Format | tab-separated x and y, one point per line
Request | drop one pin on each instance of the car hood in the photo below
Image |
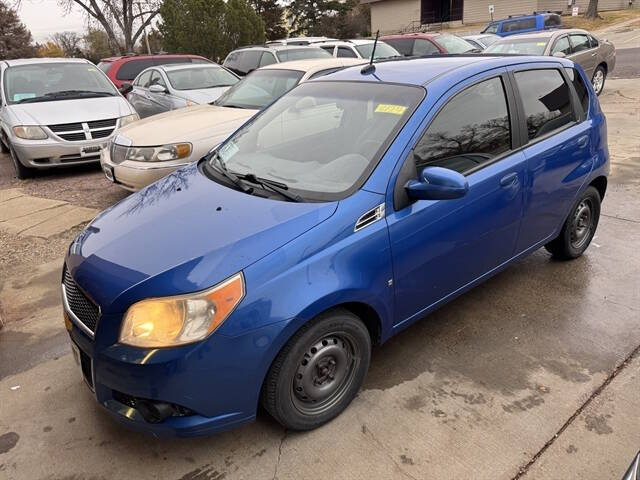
71	111
188	124
181	234
204	95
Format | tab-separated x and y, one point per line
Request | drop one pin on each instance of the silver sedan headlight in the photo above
164	153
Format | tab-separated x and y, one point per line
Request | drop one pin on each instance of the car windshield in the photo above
383	50
323	138
260	88
196	78
489	39
453	44
523	46
44	82
305	53
493	28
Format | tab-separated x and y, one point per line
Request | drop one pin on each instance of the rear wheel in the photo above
579	228
598	79
22	172
318	372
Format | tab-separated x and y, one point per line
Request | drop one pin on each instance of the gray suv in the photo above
56	112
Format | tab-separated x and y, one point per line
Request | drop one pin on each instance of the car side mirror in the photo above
125	88
437	183
157	89
559	54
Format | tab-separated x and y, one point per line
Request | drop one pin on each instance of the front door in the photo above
440	246
558	158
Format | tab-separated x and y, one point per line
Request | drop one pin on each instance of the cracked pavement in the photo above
535	374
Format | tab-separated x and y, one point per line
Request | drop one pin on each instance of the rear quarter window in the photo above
130	69
551	21
580	87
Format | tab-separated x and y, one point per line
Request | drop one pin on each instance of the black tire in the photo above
3	147
22	172
579	227
318	372
598	79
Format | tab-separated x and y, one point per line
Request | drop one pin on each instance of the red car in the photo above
419	44
124	69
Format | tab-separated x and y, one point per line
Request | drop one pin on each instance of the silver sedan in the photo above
168	87
597	57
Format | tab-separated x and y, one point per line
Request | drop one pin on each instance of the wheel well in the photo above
604	66
369	317
600	184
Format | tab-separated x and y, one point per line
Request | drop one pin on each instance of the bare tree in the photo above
119	18
69	42
592	10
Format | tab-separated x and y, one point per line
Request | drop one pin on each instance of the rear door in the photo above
582	52
557	149
441	246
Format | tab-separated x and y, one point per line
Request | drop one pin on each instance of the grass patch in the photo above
608	18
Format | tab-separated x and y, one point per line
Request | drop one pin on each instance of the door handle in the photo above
509	179
582	141
594	54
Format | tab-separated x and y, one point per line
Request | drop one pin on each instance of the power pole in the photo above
146	38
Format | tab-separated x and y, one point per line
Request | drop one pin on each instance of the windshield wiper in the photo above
221	168
280	188
70	93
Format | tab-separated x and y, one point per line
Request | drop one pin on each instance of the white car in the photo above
360	48
56	112
483	40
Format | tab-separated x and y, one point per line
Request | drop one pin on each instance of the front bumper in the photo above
134	176
216	381
56	153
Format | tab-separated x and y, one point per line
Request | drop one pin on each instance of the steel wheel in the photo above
582	224
325	372
598	80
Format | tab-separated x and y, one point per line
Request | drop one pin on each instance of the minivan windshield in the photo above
522	46
195	78
383	50
45	82
322	139
260	88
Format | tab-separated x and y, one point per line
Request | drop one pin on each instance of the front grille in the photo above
83	308
78	132
118	153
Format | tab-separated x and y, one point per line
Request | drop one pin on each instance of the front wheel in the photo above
22	172
318	372
598	79
579	228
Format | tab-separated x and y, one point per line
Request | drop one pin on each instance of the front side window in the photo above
267	59
469	131
144	79
198	78
156	79
562	45
580	43
522	46
260	88
453	44
44	82
580	87
546	101
322	139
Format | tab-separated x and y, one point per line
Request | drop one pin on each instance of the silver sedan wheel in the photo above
598	81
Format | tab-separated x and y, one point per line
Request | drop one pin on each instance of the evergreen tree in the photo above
15	39
272	15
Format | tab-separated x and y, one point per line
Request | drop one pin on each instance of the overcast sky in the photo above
44	17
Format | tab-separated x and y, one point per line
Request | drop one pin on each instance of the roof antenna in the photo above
370	67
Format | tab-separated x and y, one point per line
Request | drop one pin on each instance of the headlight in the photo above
172	321
126	120
29	132
164	153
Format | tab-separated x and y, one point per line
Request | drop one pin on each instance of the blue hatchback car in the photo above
349	209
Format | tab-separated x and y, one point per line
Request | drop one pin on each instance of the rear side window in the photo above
328	48
345	52
592	41
424	47
403	45
130	70
517	25
580	87
546	101
580	43
469	131
562	45
552	21
267	59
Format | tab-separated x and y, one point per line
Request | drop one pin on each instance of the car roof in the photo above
355	41
277	48
145	55
35	61
180	66
413	35
544	34
481	35
421	71
314	65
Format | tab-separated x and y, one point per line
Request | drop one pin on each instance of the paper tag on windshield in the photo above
228	151
393	109
21	96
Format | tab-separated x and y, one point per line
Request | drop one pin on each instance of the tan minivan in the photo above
150	149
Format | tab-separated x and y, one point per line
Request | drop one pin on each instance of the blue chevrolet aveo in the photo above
350	208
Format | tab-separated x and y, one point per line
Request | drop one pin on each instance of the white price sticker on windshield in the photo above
228	151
